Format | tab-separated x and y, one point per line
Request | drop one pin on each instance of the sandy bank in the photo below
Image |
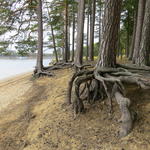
14	78
11	89
36	118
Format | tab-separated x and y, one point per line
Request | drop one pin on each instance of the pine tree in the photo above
144	54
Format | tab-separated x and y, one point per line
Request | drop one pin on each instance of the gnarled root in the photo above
74	77
46	71
59	65
38	74
91	85
126	119
79	104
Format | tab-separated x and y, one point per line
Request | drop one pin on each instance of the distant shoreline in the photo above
23	57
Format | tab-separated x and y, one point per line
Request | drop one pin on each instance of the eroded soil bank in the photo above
36	118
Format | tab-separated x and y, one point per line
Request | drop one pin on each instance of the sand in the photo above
34	117
11	89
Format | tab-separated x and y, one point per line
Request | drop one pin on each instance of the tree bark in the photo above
54	44
53	36
80	34
88	21
109	42
133	36
140	18
100	22
92	24
73	32
143	57
118	52
128	35
66	32
69	24
39	64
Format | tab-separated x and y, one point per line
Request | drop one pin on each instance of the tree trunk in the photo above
133	36
39	64
73	32
92	24
100	18
128	35
105	81
69	24
63	53
143	58
88	21
80	34
109	42
54	44
66	32
53	36
118	45
140	18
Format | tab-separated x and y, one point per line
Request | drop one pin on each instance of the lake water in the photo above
10	67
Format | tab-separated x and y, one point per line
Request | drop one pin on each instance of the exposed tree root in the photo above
101	83
38	74
134	67
127	117
46	71
85	66
75	76
59	65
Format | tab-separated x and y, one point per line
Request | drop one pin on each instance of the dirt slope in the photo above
38	119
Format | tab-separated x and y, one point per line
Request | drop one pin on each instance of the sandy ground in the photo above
11	89
34	117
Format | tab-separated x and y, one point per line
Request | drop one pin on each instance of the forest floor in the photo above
33	116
